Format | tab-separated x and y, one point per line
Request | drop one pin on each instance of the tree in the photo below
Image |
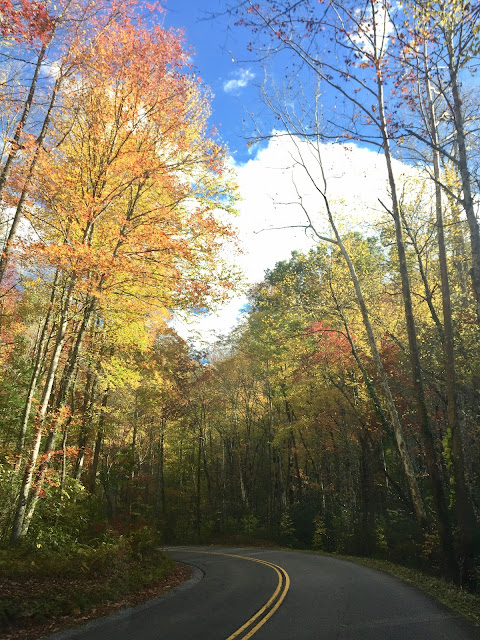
428	97
57	40
131	200
362	37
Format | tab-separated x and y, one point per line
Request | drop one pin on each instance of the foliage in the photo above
107	571
287	529
319	534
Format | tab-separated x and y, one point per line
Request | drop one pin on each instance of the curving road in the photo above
237	594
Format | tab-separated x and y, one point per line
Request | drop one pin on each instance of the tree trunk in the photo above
366	534
372	341
88	401
98	442
439	499
64	461
467	201
64	387
72	359
161	468
40	353
47	452
17	528
198	496
14	145
7	250
293	446
465	513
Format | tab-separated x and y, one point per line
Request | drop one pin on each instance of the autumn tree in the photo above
55	41
356	65
128	209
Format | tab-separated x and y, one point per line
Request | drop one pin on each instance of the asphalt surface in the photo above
280	595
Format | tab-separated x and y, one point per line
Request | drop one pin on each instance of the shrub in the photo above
319	533
143	540
287	529
249	524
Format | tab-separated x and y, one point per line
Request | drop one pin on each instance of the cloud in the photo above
271	222
374	29
275	189
240	81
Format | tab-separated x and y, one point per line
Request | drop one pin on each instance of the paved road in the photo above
281	595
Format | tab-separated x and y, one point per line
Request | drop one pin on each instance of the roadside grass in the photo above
458	600
37	585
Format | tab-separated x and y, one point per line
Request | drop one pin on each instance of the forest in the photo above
342	413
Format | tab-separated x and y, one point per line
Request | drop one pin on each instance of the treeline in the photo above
284	433
289	433
399	78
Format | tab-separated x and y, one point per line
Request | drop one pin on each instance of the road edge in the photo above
196	577
468	623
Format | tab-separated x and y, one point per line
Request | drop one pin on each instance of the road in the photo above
237	594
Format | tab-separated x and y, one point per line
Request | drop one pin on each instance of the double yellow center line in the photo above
253	624
270	606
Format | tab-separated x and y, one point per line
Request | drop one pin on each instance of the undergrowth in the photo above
37	584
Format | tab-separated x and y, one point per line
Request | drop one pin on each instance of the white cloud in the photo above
272	222
270	219
53	69
206	329
374	29
240	81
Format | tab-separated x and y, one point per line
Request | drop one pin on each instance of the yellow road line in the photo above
269	607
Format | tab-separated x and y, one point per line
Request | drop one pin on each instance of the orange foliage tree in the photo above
127	207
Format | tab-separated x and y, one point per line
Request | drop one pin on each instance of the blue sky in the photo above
270	223
221	53
225	65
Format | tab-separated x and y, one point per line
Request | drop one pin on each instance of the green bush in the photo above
62	517
319	534
287	529
9	488
249	524
143	540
